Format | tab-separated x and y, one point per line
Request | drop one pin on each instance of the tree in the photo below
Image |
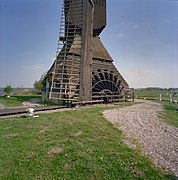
38	85
7	89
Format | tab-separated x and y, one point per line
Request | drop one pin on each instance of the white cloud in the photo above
119	35
131	25
166	21
148	75
135	26
29	52
53	58
35	67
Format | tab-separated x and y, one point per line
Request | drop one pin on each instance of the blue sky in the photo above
141	36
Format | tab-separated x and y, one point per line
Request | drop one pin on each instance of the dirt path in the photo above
2	106
32	103
158	140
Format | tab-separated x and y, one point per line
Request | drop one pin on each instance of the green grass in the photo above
155	94
26	97
147	94
170	115
90	148
47	102
10	102
15	101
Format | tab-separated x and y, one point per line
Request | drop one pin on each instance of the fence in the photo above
157	95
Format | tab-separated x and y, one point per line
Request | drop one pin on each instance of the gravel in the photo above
157	139
32	103
2	106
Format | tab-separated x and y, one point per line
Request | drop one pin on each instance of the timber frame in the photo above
83	70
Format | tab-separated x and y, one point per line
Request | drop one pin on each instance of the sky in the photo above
141	37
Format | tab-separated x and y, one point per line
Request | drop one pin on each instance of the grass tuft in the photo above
170	115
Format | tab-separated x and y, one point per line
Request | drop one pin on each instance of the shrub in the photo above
7	89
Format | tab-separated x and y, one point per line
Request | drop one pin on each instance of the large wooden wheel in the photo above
105	83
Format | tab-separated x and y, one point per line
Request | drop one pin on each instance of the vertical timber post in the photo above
86	52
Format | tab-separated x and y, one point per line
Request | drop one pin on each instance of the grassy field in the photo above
14	101
155	94
77	144
170	115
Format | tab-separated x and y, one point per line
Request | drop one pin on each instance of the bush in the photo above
38	85
7	89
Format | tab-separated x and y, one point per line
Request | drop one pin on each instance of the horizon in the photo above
129	87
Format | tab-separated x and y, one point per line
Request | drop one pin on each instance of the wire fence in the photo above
160	96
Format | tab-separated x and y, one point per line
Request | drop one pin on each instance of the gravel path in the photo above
158	140
2	106
32	103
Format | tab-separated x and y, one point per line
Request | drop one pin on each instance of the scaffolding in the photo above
65	77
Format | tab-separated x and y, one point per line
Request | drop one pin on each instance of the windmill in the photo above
83	70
